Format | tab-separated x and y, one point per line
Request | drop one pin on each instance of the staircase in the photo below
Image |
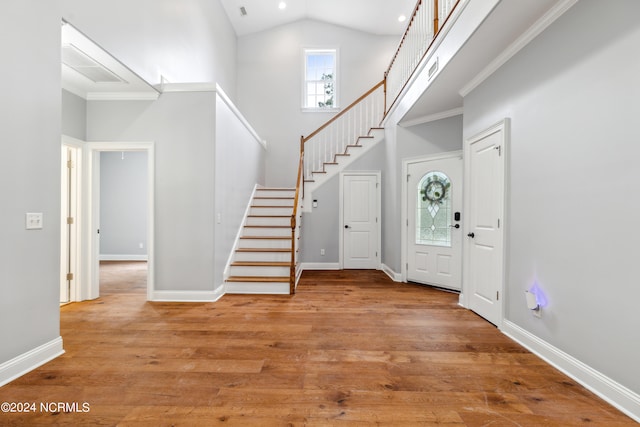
316	178
262	261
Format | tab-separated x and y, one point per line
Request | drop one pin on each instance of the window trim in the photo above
336	80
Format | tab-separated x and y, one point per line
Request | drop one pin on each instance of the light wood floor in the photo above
350	348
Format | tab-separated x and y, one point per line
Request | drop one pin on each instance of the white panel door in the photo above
485	206
434	232
360	213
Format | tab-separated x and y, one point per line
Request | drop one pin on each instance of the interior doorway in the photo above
98	207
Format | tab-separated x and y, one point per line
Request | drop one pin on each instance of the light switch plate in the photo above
33	221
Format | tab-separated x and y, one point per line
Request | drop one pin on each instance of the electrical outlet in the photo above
34	221
321	252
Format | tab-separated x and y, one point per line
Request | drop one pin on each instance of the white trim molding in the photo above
614	393
32	359
319	266
188	296
396	277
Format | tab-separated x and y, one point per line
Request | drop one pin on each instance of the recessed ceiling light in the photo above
282	5
402	18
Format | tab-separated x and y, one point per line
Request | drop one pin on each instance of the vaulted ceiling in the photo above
372	16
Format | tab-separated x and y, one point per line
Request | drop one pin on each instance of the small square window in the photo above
320	88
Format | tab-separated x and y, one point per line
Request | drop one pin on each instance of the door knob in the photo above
455	226
346	226
472	235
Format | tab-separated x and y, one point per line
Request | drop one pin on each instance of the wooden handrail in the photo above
341	113
404	36
296	202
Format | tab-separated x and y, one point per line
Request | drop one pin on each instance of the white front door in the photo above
484	204
434	232
360	220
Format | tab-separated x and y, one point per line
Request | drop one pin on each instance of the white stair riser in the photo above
271	232
278	288
258	271
272	202
263	256
275	193
265	220
270	211
265	243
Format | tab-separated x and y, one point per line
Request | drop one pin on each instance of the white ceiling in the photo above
372	16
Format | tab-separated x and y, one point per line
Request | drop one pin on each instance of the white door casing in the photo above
91	231
438	263
360	222
70	262
485	165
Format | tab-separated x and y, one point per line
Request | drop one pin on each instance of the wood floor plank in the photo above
350	348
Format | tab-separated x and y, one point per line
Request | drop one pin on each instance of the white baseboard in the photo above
119	257
188	296
616	394
319	266
26	362
396	277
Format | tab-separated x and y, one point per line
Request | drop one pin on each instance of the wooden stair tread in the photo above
268	216
273	198
267	226
272	279
261	264
271	207
276	189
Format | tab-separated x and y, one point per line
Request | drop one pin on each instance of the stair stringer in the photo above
363	145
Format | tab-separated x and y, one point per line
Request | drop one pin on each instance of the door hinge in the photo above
69	220
498	222
408	177
406	266
376	254
376	220
407	222
497	295
376	185
69	276
69	164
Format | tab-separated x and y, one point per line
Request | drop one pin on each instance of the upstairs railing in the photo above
428	18
343	129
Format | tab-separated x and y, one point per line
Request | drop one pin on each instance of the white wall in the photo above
572	96
239	166
185	40
123	205
29	176
207	164
183	129
74	116
270	71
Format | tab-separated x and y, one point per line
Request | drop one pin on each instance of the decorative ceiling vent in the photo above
87	66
